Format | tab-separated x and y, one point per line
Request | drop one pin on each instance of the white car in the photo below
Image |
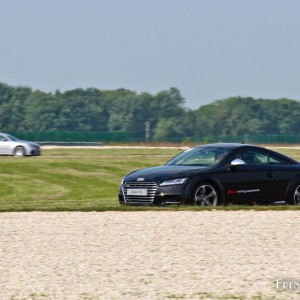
10	145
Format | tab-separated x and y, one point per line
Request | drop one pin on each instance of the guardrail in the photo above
69	144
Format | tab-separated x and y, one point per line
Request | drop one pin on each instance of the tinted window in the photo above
254	157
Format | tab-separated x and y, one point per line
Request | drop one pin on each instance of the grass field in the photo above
79	179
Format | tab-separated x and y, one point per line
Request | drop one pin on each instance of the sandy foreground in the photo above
149	255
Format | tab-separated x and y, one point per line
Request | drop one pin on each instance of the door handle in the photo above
271	175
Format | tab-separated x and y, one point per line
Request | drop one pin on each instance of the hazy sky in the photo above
209	49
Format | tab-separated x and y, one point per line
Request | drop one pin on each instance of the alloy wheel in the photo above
19	151
297	196
206	195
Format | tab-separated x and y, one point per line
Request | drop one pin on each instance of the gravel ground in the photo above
149	255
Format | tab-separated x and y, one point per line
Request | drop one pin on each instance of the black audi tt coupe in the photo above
216	174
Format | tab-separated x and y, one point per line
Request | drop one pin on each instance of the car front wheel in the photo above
206	195
297	195
19	151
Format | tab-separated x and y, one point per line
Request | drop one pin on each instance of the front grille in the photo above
151	188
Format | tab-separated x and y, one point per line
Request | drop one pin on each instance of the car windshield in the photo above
11	137
200	156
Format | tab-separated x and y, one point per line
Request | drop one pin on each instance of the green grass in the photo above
71	179
81	179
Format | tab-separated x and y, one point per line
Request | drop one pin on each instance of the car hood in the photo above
162	173
30	143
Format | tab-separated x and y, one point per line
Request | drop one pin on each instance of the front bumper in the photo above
156	195
35	151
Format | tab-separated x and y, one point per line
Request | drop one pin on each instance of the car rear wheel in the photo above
206	195
297	195
19	151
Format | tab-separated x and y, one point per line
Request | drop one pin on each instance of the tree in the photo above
92	110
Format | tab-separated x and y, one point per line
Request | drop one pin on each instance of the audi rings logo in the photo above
140	179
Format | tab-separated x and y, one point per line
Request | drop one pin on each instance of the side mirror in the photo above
237	162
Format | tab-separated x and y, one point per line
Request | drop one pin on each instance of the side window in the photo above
250	158
253	157
262	157
266	158
275	160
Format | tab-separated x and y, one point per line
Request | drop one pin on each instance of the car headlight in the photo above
174	181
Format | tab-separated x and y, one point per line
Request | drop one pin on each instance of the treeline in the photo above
92	110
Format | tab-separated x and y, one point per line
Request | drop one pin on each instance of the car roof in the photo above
224	145
240	145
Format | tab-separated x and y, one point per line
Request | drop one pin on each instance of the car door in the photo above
262	179
246	184
5	145
279	174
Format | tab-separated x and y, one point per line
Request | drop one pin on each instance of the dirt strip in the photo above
149	255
